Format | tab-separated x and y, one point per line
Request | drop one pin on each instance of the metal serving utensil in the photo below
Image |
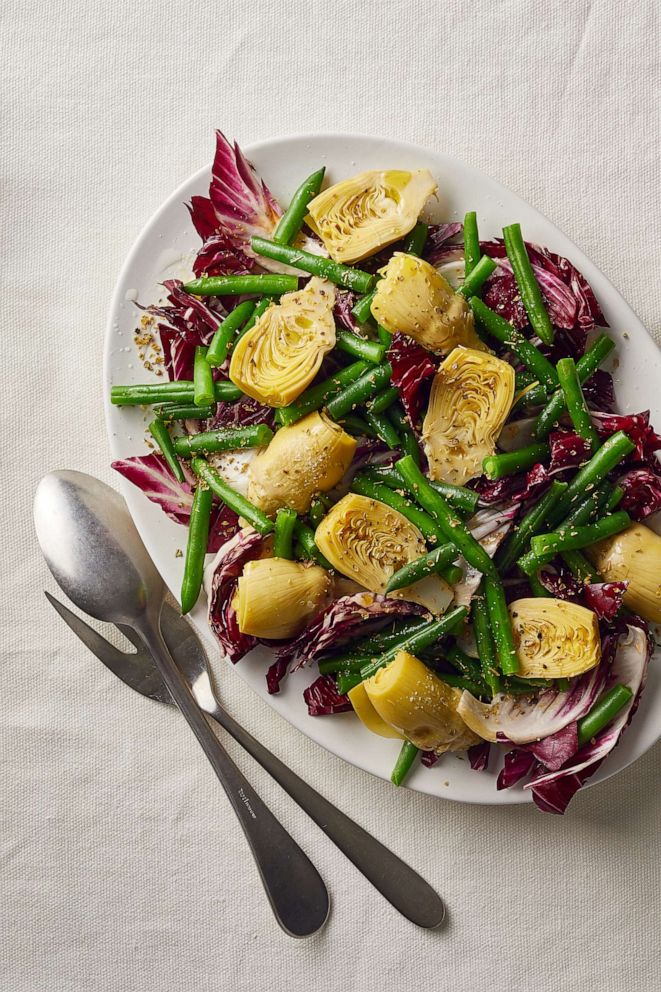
394	879
97	557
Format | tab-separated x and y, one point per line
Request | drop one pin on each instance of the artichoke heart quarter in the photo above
358	216
412	297
368	541
470	400
413	700
276	597
305	458
280	356
554	638
633	556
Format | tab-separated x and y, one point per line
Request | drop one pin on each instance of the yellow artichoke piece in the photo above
410	698
305	458
368	541
367	714
634	555
412	297
470	400
280	356
275	597
554	639
358	216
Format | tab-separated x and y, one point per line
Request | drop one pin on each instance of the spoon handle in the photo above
295	889
403	887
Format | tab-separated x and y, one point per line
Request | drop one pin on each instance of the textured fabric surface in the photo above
122	868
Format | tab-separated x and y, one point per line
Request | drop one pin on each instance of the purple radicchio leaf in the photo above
636	425
552	791
221	578
345	300
243	412
429	758
605	598
642	492
478	756
517	764
323	699
437	239
599	391
558	748
412	366
341	621
560	581
189	322
153	476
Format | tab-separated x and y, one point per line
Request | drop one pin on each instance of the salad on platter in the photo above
395	447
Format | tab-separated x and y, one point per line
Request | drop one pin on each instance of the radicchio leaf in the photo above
189	322
339	622
599	391
241	413
605	598
220	580
635	425
345	299
412	365
429	758
560	582
642	492
323	699
478	756
517	764
437	238
552	791
558	748
568	450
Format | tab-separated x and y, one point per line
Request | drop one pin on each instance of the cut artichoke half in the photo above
280	356
412	297
275	597
633	556
368	541
554	638
470	400
367	714
422	708
308	457
358	216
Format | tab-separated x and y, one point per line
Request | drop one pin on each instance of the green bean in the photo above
603	712
203	391
404	762
241	506
471	242
465	665
283	536
315	397
305	537
427	564
613	499
383	400
292	220
501	625
346	681
378	643
452	574
575	538
223	439
254	285
196	548
531	394
359	347
147	394
174	411
514	341
586	366
408	440
427	526
416	240
575	402
473	283
222	339
483	638
580	567
325	268
528	526
259	311
529	288
342	663
460	497
478	689
612	451
317	512
422	638
362	310
453	528
585	510
384	336
511	462
383	428
357	426
161	435
359	391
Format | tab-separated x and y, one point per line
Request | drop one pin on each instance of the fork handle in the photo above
403	887
295	889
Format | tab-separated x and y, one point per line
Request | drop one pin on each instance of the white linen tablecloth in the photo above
122	868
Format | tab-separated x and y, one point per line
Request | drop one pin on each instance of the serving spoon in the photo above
97	557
